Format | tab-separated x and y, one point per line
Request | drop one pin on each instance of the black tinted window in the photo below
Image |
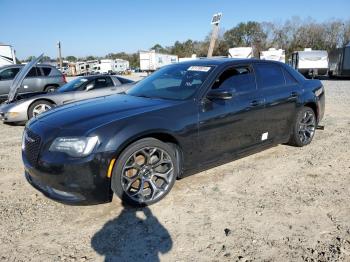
46	70
103	82
269	75
9	74
236	79
34	72
290	80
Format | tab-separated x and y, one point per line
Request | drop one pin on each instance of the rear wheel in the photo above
49	89
303	128
145	172
38	108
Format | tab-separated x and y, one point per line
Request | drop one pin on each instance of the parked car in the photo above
42	78
22	108
183	118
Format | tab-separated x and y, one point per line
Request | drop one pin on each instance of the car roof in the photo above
21	65
220	61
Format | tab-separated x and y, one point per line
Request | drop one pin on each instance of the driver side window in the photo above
236	79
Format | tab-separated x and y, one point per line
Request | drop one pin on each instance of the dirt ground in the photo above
283	204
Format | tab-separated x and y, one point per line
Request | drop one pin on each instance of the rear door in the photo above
281	92
33	82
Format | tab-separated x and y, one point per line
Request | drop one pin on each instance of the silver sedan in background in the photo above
27	106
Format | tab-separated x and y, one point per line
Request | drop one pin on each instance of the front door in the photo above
228	126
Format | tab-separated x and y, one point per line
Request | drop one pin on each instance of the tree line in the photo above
290	35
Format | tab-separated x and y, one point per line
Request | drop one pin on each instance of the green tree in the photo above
71	58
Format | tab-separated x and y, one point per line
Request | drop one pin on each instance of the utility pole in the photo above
214	35
59	54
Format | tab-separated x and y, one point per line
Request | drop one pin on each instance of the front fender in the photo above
135	129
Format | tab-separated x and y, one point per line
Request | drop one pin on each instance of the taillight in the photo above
64	78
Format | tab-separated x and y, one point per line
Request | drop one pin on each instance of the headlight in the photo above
74	146
319	91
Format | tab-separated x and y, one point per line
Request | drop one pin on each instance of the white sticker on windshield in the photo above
199	68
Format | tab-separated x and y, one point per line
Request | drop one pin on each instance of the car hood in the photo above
18	80
90	114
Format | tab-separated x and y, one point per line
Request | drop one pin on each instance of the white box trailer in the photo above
273	54
7	55
310	62
241	52
151	61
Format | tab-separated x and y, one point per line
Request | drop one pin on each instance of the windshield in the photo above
73	85
177	82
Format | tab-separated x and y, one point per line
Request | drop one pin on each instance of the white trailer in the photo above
310	62
81	68
121	65
7	55
273	55
184	59
241	52
105	66
151	61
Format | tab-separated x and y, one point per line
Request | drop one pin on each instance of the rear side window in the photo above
46	70
237	79
103	82
9	74
123	80
269	75
34	72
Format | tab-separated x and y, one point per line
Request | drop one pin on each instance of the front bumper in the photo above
83	182
8	115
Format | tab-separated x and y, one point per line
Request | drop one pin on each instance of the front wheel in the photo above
38	108
145	172
304	127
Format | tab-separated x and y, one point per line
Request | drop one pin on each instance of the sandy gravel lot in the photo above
283	204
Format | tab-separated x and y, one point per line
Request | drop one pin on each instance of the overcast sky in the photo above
87	27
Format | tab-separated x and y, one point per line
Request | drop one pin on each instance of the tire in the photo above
145	172
304	126
39	107
49	89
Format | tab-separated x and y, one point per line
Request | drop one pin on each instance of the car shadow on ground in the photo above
135	235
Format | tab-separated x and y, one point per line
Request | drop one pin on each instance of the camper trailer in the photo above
105	66
7	55
121	65
241	52
81	68
151	61
310	62
339	62
185	59
273	55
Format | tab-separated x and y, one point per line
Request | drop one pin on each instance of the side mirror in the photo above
217	94
89	87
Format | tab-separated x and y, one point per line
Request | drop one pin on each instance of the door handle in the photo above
293	95
255	102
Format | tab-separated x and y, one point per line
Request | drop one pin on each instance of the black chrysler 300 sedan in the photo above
181	119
